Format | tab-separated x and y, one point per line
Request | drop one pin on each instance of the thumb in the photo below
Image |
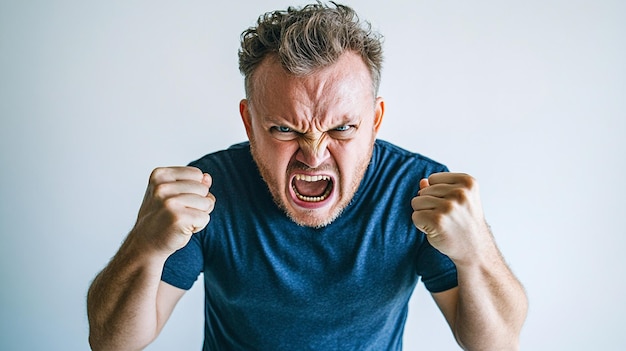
424	183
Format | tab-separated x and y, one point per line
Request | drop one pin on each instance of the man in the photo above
318	231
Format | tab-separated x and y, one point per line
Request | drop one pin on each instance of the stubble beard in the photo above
306	217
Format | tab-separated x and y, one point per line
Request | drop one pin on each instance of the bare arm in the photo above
127	303
488	308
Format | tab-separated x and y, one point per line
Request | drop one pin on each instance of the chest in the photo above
251	263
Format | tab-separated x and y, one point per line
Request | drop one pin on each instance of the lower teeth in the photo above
311	198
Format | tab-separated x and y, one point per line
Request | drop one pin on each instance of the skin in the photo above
323	124
127	303
487	309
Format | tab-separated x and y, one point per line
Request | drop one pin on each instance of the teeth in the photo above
315	178
311	198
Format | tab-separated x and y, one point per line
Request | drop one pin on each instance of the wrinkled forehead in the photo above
349	67
347	80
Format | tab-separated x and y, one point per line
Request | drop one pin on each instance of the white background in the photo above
529	97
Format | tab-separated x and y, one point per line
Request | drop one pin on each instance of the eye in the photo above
343	132
283	133
283	129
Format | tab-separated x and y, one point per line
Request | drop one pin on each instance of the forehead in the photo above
344	87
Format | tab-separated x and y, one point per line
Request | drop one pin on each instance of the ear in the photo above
244	111
379	112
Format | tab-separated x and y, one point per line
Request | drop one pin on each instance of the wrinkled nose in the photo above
313	151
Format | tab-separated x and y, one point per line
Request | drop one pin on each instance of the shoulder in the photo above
237	156
232	169
393	175
390	156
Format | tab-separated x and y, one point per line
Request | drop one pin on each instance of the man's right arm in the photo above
127	303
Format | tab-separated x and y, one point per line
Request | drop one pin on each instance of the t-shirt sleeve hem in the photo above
173	279
442	283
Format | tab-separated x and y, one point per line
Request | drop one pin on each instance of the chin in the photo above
315	210
312	218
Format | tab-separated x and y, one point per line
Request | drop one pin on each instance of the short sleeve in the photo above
184	266
437	271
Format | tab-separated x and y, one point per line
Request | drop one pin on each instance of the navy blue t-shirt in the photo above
271	284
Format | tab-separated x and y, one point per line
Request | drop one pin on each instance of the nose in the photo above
313	150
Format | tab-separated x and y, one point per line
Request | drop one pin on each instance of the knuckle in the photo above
171	204
205	190
211	197
414	202
161	190
209	180
458	194
182	224
157	175
415	216
211	205
195	170
436	217
446	207
468	181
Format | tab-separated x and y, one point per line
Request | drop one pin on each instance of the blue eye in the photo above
344	132
283	129
283	133
342	128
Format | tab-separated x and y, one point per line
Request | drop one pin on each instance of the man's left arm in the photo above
488	308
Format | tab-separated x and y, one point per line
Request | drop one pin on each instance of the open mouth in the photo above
312	188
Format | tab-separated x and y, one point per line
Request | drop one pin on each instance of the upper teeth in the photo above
308	178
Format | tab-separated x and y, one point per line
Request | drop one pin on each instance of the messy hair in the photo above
310	38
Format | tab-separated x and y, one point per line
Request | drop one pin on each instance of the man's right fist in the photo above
177	204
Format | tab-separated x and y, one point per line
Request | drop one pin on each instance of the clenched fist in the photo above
177	204
448	210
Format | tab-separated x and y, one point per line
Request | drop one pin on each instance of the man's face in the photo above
312	136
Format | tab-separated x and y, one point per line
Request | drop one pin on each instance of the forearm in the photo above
492	305
122	300
127	304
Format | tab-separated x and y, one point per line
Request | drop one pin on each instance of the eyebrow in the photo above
277	121
344	121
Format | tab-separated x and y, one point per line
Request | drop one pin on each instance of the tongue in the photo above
311	189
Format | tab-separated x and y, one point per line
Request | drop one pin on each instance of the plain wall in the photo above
529	97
